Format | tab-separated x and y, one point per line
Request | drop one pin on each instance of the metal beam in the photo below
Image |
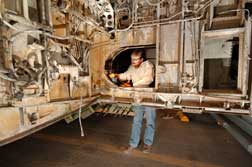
223	33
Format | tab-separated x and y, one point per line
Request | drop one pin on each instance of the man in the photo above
141	73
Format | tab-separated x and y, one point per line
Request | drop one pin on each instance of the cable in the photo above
236	10
207	5
40	32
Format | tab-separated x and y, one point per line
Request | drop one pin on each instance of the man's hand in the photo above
126	84
113	75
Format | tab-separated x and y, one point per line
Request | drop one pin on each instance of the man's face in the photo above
136	60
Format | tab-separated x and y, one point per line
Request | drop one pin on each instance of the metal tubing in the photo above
21	115
158	36
26	9
235	133
241	123
241	139
42	14
248	119
179	107
182	43
48	13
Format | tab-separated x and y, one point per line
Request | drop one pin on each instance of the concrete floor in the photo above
200	143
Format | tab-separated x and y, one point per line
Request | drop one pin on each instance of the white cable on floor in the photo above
80	122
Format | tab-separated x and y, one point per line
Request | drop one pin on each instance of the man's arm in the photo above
148	76
126	75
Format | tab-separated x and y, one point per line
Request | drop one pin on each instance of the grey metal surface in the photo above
241	123
245	142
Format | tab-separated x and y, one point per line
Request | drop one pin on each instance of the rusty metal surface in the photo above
35	118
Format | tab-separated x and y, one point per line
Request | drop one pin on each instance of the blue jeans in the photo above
150	114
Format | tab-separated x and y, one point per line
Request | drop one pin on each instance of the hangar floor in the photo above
200	143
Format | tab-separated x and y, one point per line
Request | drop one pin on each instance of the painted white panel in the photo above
170	76
217	48
169	42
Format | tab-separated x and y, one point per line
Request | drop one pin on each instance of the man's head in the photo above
137	57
